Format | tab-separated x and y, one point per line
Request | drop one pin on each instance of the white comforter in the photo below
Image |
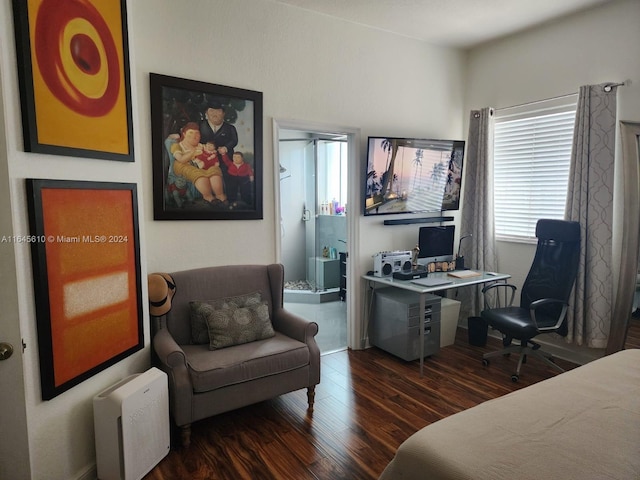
583	424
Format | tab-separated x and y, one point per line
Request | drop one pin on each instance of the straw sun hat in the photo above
161	291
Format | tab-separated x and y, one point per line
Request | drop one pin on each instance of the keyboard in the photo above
431	281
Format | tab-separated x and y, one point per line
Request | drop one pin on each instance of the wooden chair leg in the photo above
311	395
185	435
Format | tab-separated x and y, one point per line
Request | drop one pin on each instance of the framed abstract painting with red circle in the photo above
73	68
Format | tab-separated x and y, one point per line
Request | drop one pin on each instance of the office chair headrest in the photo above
558	230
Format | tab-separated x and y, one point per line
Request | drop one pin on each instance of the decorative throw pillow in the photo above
232	325
199	328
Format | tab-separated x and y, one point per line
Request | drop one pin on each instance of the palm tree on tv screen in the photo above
390	145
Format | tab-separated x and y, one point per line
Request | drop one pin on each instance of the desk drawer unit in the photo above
395	325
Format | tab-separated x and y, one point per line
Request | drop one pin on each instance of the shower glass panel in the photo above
310	205
312	194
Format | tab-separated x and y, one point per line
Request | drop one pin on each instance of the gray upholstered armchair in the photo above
205	382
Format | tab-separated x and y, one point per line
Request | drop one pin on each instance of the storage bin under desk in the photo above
394	324
449	314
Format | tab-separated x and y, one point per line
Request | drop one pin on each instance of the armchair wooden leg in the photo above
185	435
311	395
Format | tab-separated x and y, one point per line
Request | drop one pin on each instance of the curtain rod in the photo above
538	101
607	88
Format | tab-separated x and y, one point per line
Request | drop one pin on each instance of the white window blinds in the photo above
532	150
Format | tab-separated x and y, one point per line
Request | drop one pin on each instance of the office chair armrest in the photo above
545	301
495	285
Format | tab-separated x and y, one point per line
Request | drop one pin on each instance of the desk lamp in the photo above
460	259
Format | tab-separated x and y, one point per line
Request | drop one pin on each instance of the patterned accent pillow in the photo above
232	325
199	328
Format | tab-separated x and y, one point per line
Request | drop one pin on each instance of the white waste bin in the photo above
449	313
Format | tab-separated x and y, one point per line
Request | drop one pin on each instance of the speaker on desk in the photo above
385	264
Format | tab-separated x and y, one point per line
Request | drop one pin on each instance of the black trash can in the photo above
477	331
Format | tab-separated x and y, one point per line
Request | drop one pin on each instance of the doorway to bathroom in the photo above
313	186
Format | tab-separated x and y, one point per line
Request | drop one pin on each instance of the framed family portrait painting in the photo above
207	150
86	274
73	71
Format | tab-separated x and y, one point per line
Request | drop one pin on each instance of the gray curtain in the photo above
590	202
477	208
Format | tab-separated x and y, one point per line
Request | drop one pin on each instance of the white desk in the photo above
381	282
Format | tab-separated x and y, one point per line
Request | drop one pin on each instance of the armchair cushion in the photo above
233	325
199	328
210	370
198	316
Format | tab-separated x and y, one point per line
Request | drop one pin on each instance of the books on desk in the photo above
464	273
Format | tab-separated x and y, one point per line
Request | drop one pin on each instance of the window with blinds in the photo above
532	150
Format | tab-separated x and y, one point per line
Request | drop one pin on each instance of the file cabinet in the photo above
394	325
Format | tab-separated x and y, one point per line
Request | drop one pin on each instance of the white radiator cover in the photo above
131	420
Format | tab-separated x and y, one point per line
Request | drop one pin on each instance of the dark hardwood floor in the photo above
367	403
633	334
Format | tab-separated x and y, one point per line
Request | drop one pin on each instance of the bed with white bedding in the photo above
583	424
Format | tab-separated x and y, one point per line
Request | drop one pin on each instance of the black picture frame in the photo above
178	103
85	251
75	93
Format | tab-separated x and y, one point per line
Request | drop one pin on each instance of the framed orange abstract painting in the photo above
73	69
86	275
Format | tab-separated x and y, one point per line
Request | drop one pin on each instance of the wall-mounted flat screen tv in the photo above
411	175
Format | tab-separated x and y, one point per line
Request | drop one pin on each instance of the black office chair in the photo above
543	298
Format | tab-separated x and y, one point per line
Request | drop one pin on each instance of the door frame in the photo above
353	202
15	460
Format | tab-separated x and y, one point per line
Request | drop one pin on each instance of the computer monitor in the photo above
436	244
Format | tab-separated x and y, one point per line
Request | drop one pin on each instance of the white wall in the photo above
590	48
309	67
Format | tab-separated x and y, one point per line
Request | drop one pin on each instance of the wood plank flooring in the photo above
367	404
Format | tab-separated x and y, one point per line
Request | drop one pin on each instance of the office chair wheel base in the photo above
485	362
515	377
